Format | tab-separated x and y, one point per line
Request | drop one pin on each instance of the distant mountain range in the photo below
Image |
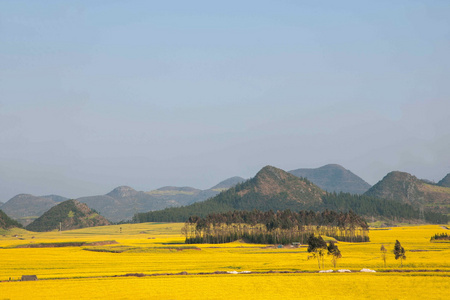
119	204
124	202
334	178
25	207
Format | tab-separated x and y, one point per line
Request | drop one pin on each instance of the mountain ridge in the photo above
123	202
274	189
227	183
270	188
334	178
26	206
445	182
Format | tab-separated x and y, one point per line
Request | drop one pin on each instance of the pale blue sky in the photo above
96	94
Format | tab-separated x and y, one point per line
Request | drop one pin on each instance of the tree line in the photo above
440	236
280	227
370	206
229	201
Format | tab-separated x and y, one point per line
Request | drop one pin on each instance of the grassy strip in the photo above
65	244
121	249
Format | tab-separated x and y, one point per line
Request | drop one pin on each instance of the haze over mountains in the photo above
24	206
119	204
334	178
124	202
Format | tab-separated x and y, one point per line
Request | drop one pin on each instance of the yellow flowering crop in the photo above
150	248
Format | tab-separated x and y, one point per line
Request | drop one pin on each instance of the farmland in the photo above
96	269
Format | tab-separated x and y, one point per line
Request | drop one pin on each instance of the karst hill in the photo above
70	214
406	188
6	222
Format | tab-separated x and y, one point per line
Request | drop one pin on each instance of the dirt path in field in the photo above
239	273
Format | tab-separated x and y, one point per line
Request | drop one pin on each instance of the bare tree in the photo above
383	254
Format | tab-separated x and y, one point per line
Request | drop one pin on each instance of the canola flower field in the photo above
96	270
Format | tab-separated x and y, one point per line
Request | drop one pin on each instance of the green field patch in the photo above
51	245
93	216
65	244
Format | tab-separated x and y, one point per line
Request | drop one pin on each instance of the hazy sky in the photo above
97	94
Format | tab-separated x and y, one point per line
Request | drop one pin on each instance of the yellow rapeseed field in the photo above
151	248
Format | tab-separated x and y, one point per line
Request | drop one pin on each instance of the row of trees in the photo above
281	227
374	207
399	252
318	247
440	236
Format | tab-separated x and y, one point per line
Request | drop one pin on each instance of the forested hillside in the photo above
375	207
67	215
6	222
274	189
406	188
